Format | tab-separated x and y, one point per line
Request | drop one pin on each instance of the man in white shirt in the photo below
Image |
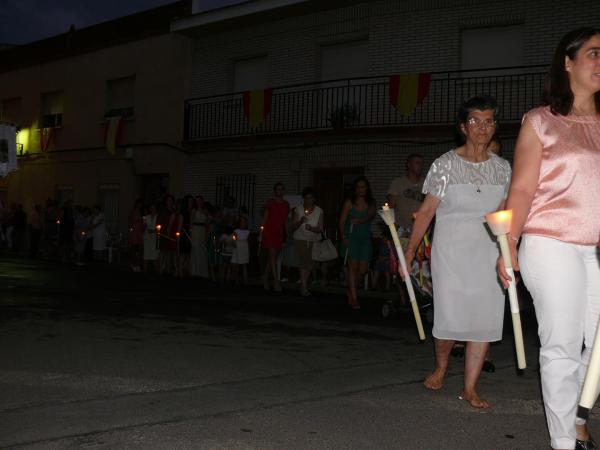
404	194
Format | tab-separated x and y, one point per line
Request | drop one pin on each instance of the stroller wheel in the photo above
387	309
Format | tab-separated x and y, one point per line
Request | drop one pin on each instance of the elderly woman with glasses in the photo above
461	187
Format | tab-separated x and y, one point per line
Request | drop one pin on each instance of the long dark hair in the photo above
557	89
368	195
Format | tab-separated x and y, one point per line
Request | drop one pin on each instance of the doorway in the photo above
333	186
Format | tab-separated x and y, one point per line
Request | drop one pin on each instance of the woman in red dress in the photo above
273	233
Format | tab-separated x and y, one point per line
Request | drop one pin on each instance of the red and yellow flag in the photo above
112	135
257	105
408	90
46	135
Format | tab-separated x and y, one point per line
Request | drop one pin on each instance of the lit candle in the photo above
387	215
307	227
158	227
177	234
499	222
57	228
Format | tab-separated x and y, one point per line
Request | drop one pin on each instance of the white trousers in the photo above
564	281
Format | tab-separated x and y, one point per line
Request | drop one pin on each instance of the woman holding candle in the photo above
461	187
554	197
273	234
307	226
355	231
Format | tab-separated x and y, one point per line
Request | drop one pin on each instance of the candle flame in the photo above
177	234
499	221
58	222
158	227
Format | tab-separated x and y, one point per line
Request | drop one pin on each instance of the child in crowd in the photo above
241	255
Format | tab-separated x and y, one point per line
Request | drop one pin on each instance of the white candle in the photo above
177	234
158	227
500	222
592	378
387	215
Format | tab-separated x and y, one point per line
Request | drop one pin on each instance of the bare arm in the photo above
266	215
343	217
525	179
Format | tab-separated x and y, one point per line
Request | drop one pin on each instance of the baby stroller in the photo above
420	278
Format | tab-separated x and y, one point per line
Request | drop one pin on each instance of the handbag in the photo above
324	250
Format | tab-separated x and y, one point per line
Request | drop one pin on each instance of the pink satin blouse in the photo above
566	205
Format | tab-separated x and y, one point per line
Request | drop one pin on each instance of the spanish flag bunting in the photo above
257	105
408	90
112	134
46	135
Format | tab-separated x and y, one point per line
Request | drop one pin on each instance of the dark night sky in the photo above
23	21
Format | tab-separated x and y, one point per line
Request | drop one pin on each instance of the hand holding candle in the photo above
499	222
387	215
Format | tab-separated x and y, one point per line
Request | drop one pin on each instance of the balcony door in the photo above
343	103
333	186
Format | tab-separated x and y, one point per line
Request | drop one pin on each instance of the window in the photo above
341	103
109	202
52	109
484	48
11	110
345	60
250	74
239	187
120	97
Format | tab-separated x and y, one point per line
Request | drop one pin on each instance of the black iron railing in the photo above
364	102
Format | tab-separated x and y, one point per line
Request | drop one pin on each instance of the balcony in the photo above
362	103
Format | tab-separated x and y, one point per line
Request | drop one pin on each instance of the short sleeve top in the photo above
451	169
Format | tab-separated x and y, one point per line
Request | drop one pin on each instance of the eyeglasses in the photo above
476	122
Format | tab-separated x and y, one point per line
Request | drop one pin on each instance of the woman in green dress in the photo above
355	231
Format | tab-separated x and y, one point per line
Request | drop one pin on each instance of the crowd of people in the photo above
552	189
69	233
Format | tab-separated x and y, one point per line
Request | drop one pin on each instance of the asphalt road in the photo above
95	357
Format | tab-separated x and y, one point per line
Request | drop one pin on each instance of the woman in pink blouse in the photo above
555	198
